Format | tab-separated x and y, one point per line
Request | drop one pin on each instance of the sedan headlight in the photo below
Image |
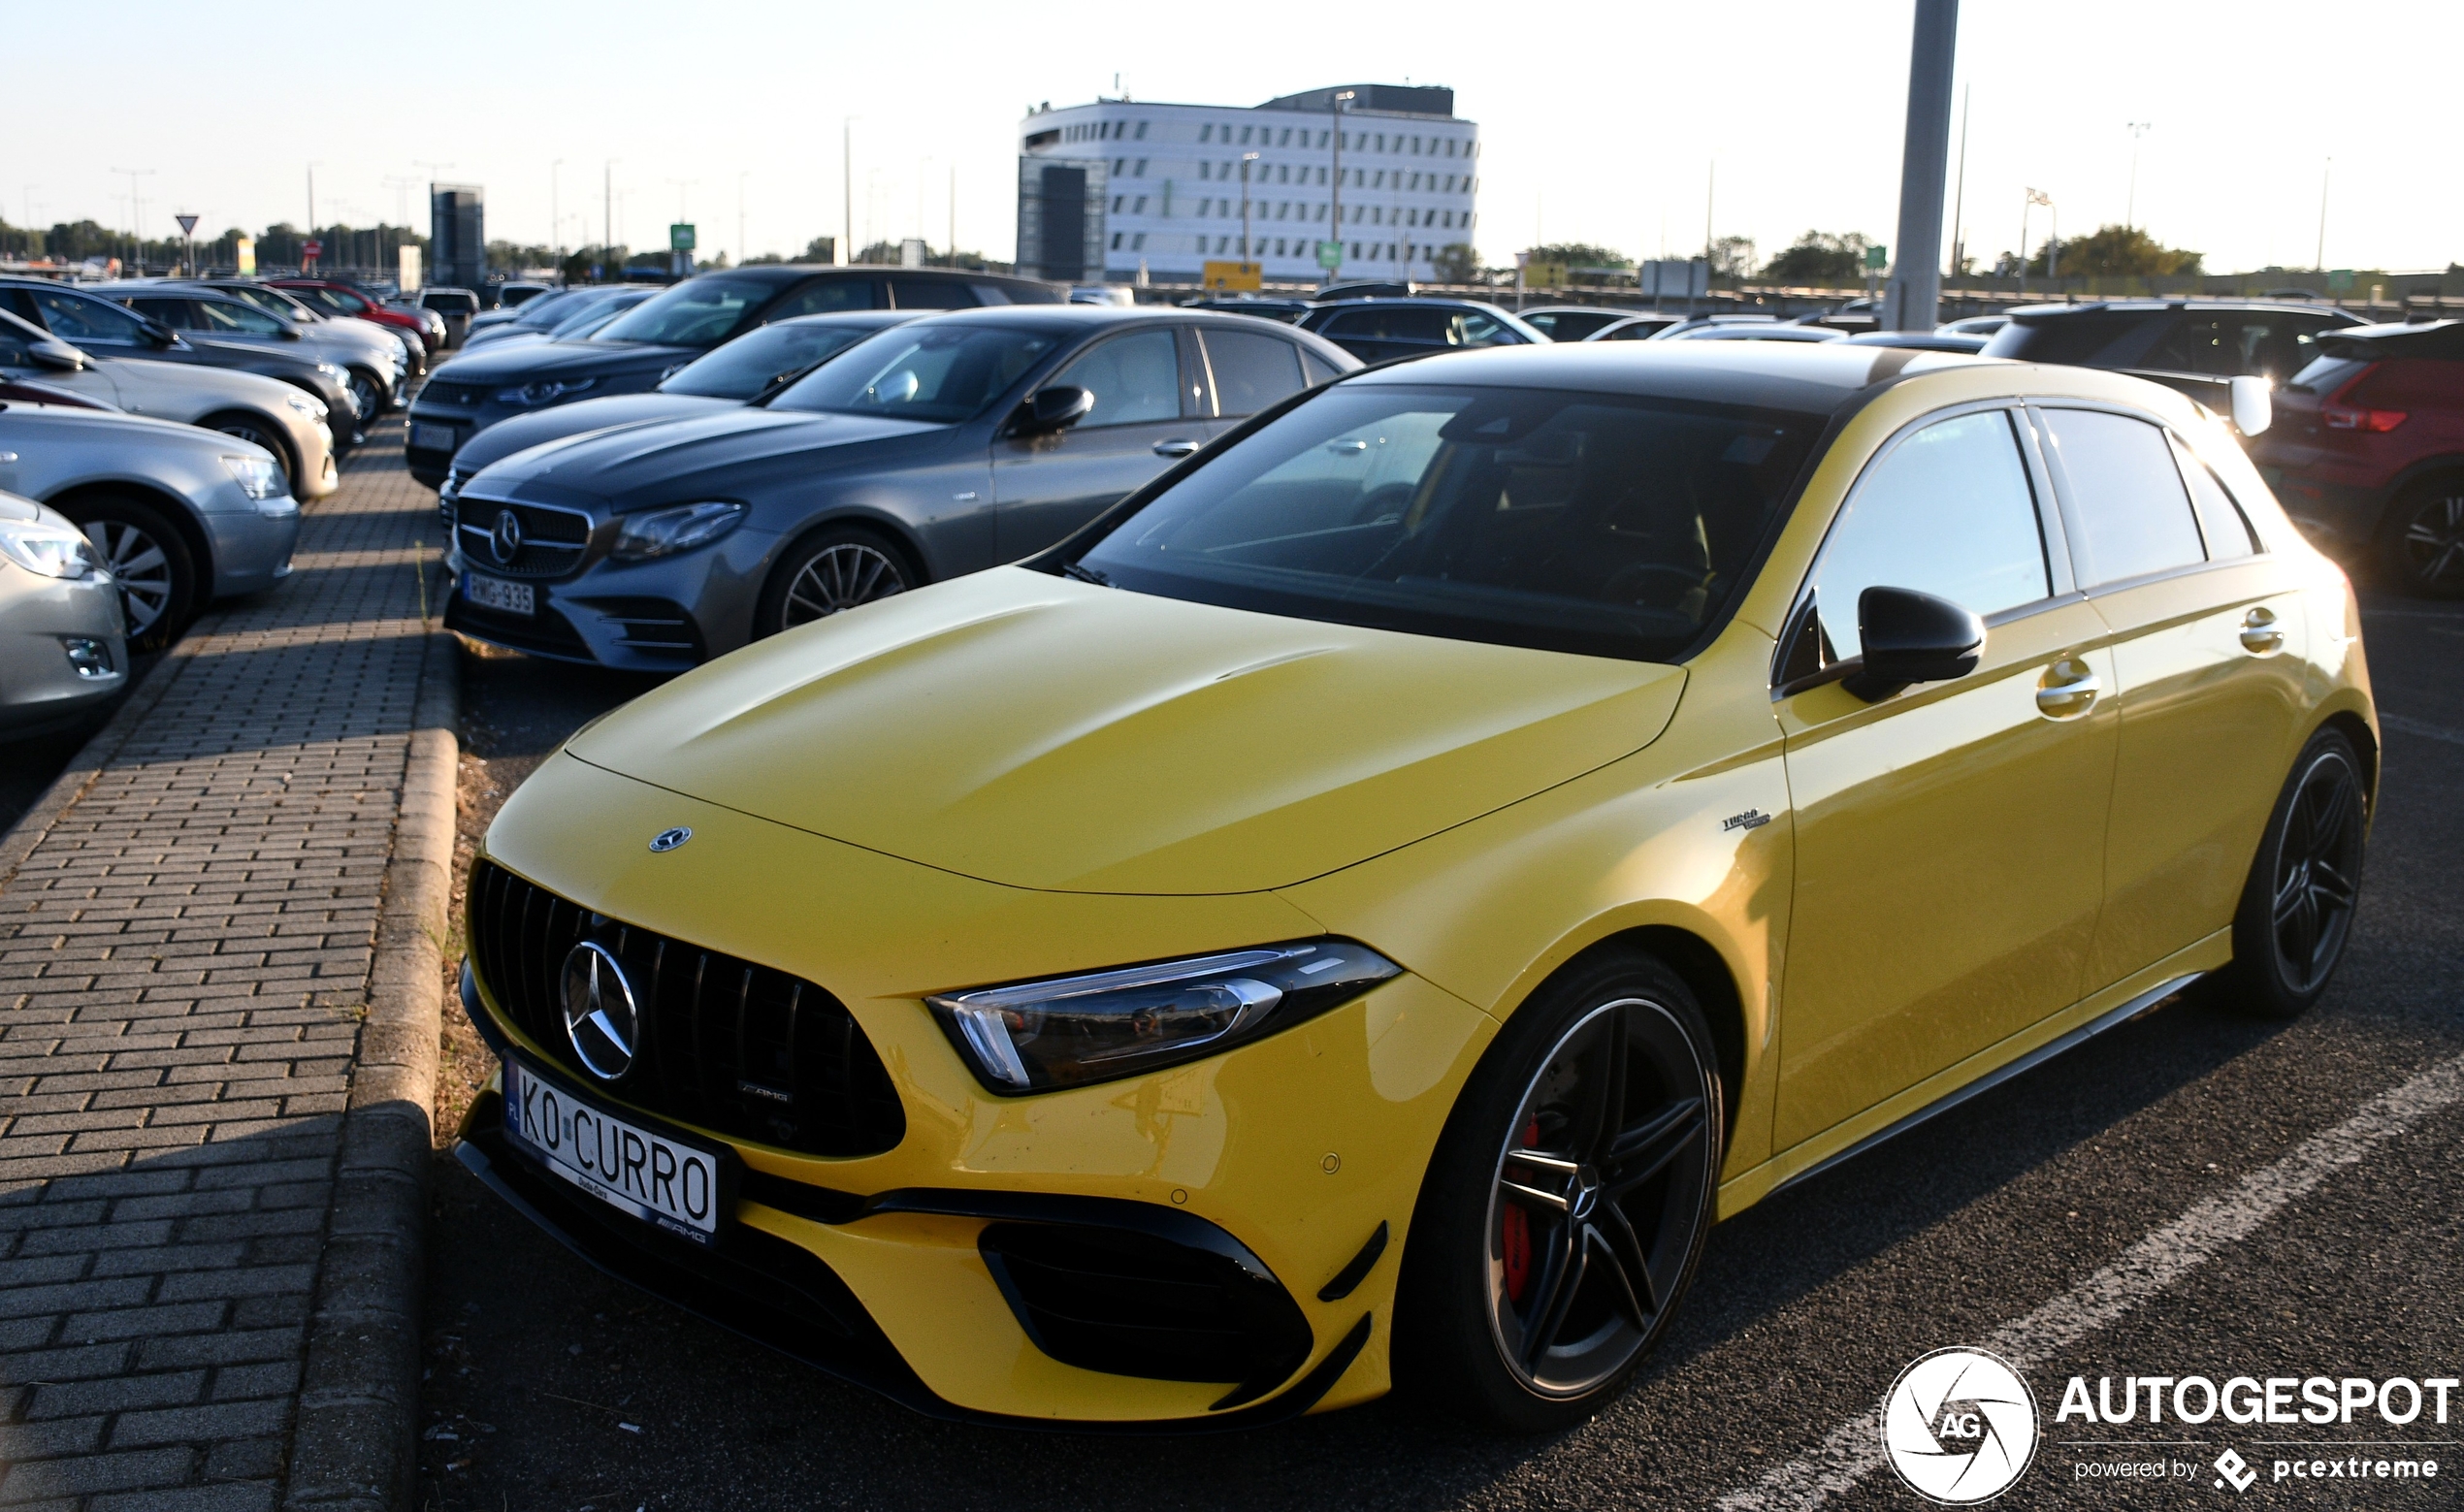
257	476
334	372
546	390
306	406
1069	1031
664	531
50	550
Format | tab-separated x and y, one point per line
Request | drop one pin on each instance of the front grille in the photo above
553	540
726	1044
656	624
451	394
1130	1304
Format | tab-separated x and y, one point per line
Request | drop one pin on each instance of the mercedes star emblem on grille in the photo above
504	542
600	1018
668	840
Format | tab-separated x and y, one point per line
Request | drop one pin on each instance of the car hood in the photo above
498	364
524	431
653	456
1032	730
183	391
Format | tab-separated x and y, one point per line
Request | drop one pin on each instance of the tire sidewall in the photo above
182	604
769	611
2255	982
2395	568
1444	1348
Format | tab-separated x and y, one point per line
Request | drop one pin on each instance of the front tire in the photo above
2295	916
828	571
158	577
1568	1203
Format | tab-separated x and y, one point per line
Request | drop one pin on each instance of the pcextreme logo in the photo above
1960	1426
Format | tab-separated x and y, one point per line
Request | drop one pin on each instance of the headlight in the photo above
303	405
257	476
546	390
681	528
51	549
332	371
1068	1031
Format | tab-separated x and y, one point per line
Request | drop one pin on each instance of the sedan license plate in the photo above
658	1179
431	438
495	593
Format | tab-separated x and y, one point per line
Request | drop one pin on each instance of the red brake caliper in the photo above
1518	1233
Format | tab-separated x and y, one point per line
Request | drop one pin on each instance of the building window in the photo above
1137	243
1120	166
1116	199
1140	209
1286	169
1221	243
1322	175
1244	134
1142	169
1115	240
1141	131
1205	133
1287	138
1205	169
1283	211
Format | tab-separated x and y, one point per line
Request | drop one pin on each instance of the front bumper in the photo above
667	615
41	688
1298	1149
251	548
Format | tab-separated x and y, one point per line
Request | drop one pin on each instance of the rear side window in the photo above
72	317
1948	511
931	294
2227	530
2090	338
1252	371
179	314
823	295
2130	513
1318	368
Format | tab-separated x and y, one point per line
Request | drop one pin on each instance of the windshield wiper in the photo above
1086	574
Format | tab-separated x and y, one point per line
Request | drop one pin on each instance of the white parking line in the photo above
1852	1450
2421	727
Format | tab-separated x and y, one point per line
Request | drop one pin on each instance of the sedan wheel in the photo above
2425	548
2297	909
368	396
149	561
1538	1280
831	571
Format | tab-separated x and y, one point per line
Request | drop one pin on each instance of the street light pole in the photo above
607	219
1959	197
845	249
1915	293
556	213
136	212
2323	174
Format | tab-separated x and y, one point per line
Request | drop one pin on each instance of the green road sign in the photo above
679	239
1330	255
2340	281
1878	257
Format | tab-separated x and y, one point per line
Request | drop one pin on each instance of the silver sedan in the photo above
63	646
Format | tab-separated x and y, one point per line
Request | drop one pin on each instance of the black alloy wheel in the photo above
148	559
830	571
2297	909
248	427
1569	1204
2424	546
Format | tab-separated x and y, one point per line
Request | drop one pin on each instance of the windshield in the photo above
939	372
215	315
1597	524
548	308
592	317
698	312
758	359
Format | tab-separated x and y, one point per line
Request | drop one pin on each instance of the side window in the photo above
1134	378
174	313
1433	326
1949	512
823	295
14	351
1474	329
2226	529
931	294
1351	322
2130	513
2200	344
1318	368
1252	370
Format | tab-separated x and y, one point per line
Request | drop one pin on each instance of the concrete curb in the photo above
354	1447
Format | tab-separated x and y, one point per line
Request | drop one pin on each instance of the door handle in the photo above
2260	633
2069	689
1177	447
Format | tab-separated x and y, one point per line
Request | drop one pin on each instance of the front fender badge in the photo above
668	840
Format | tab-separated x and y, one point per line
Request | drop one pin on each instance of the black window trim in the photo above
2208	560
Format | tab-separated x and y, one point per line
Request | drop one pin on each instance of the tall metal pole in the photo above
555	215
845	251
1958	196
2323	174
1915	293
2130	202
607	221
953	248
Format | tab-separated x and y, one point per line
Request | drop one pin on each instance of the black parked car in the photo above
1571	322
106	329
938	447
457	307
1366	289
2197	347
640	347
1377	331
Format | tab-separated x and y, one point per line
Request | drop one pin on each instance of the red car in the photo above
337	297
2367	451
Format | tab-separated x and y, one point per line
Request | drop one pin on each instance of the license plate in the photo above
431	438
655	1179
495	593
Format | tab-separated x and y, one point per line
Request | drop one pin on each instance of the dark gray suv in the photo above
655	337
931	449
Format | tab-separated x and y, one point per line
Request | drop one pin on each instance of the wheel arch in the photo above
1708	974
892	531
2349	723
183	519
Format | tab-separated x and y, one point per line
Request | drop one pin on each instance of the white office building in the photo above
1403	180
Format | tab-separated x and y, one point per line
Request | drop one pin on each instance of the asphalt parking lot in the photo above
551	1387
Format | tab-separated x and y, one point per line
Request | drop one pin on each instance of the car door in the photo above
2206	641
1245	371
1950	839
1144	420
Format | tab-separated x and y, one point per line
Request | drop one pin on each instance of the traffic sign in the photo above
188	224
1249	276
1330	255
311	249
679	238
1878	257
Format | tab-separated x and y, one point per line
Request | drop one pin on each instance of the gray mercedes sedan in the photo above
931	449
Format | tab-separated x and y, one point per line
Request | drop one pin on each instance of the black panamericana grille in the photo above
743	1049
551	541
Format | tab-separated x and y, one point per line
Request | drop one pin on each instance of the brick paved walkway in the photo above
184	964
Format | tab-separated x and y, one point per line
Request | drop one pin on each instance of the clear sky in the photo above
1600	123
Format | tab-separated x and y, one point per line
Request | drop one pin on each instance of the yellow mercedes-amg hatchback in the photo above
1360	910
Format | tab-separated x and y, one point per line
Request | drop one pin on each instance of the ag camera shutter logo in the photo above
1960	1426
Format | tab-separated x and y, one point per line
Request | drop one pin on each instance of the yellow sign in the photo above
1543	275
1249	276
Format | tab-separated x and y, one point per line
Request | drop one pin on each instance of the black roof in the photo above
1813	377
2030	314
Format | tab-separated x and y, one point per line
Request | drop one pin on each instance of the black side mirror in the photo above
57	353
160	334
1052	409
1911	637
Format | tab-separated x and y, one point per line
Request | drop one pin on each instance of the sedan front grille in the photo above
726	1044
552	540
